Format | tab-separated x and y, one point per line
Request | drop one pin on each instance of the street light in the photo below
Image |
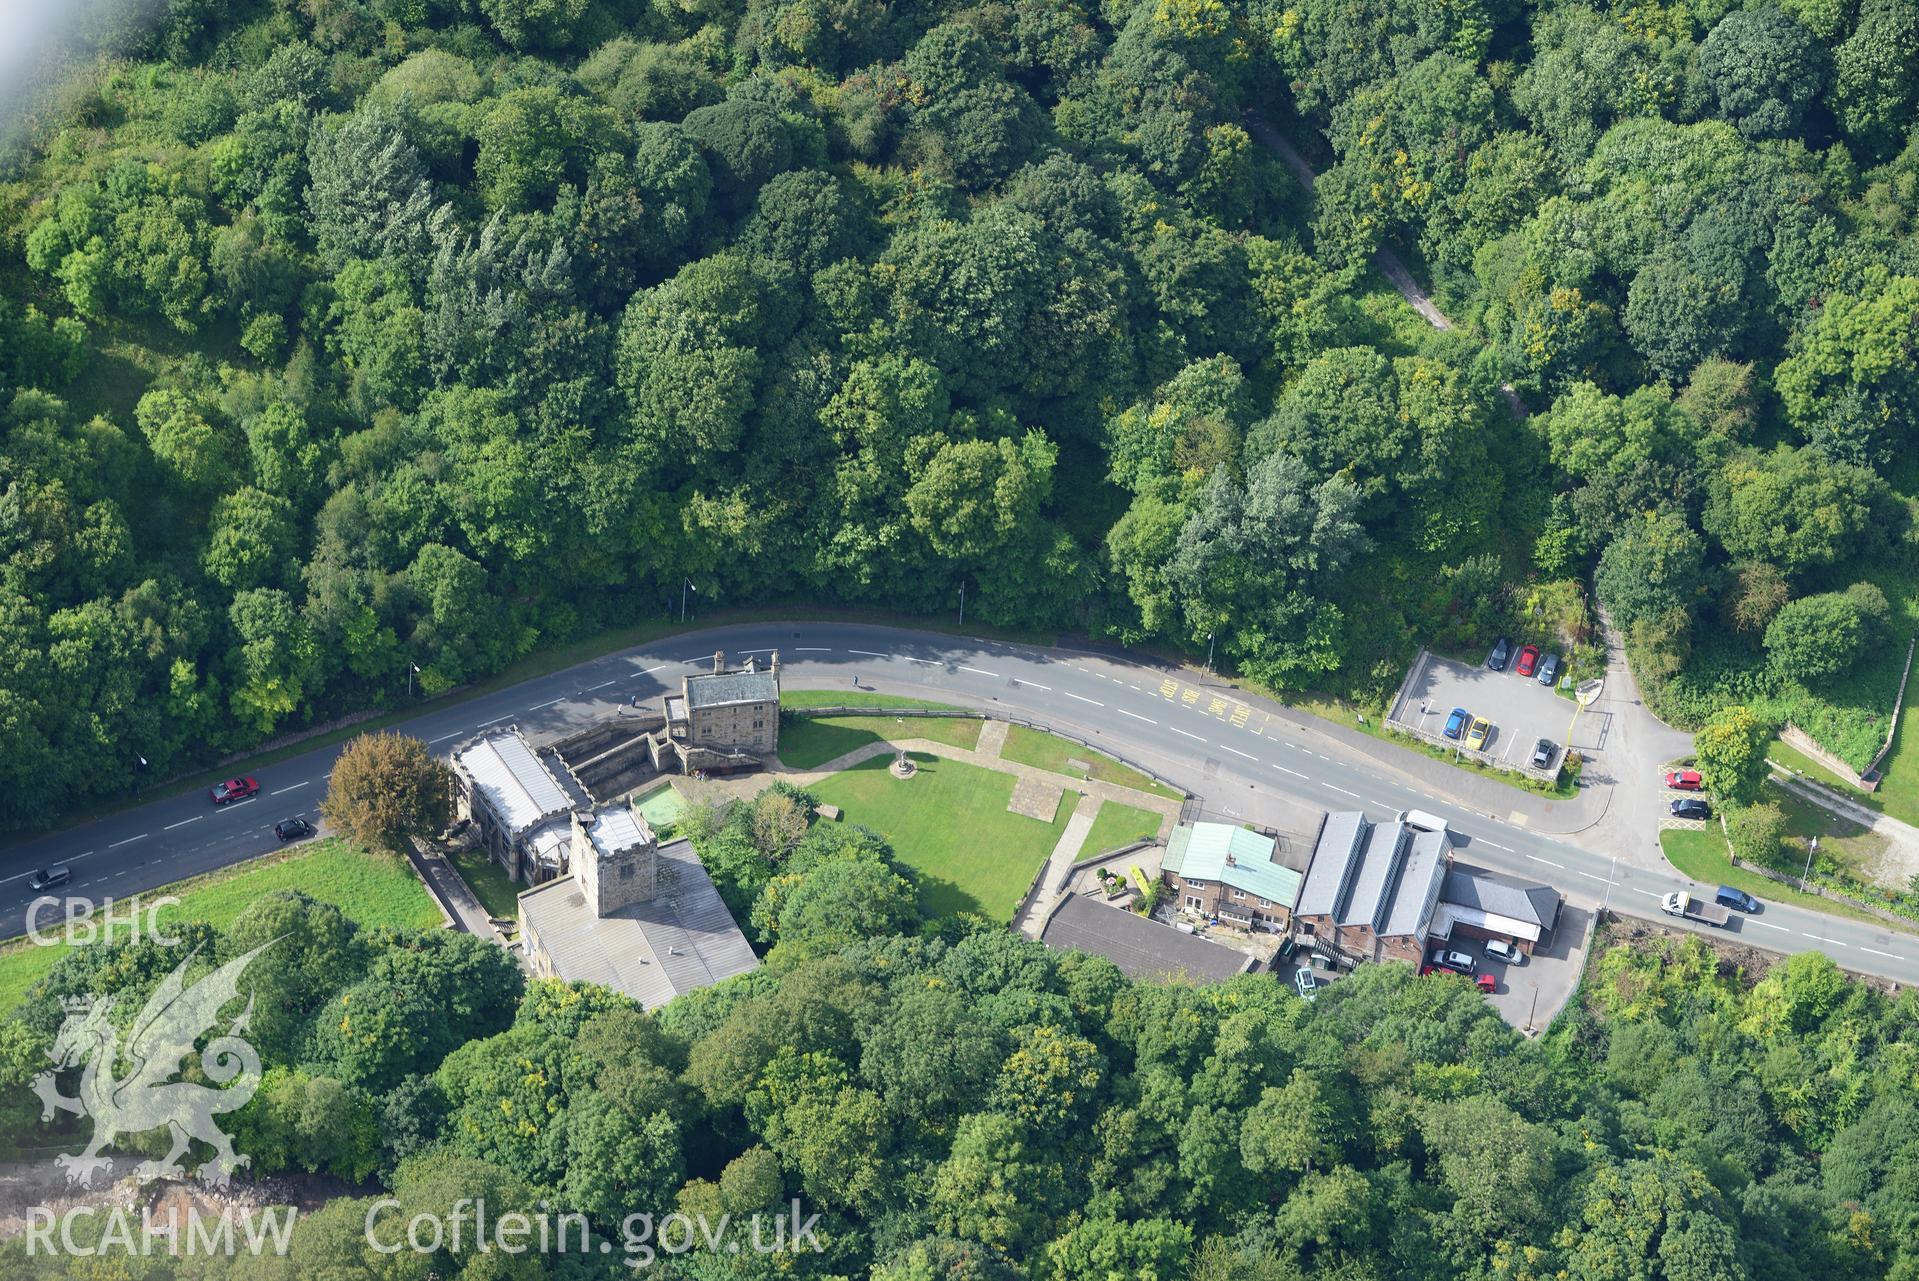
686	586
1209	653
1811	849
962	621
412	670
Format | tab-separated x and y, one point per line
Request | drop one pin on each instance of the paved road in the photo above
1248	758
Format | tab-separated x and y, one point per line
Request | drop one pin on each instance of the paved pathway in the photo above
455	897
1059	867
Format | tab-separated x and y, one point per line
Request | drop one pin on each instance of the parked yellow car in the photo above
1477	735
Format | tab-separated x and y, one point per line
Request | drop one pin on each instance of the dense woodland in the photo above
338	336
958	1103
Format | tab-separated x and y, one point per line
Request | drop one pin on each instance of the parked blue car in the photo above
1456	723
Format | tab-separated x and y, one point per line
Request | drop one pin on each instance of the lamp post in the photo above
1209	653
1812	847
412	670
962	621
136	772
686	585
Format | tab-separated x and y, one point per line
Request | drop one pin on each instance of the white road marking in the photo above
183	822
1494	844
1295	773
548	703
442	738
981	671
233	805
1647	893
1767	925
656	667
1235	751
1136	716
930	662
292	787
601	685
1876	952
756	651
496	720
1343	792
1094	701
811	649
130	840
1036	685
1594	877
870	653
1196	738
1548	862
1817	939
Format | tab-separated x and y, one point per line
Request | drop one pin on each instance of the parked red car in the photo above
1487	984
234	789
1685	780
1528	660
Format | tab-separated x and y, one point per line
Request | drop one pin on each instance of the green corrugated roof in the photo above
1198	851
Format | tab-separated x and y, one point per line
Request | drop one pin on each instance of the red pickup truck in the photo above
234	789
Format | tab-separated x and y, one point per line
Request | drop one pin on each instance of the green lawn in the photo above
1048	752
1855	849
811	741
949	822
373	889
1700	853
1116	825
490	884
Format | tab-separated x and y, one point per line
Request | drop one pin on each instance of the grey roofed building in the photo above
1141	948
1375	876
1335	858
1502	896
681	939
515	784
719	688
1419	885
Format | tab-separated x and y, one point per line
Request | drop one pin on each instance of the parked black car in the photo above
293	829
1548	670
1691	807
1501	655
1543	752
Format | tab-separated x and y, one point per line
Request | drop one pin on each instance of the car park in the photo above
1543	752
1457	962
1737	899
234	789
48	877
1501	655
1501	950
1691	807
1684	780
1305	984
1548	670
1476	736
1456	723
293	829
1528	660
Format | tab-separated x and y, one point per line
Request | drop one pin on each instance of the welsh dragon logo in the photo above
147	1098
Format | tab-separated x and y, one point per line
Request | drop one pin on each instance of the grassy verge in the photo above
1701	854
1047	752
809	742
1116	825
490	883
1341	712
949	822
373	889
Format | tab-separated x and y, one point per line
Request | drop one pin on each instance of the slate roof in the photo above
1335	857
716	689
1378	872
682	939
1419	886
1200	851
617	829
1141	948
1502	896
515	783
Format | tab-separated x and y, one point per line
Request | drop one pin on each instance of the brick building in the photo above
1371	892
1231	874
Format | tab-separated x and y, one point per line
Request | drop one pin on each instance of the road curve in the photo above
1244	756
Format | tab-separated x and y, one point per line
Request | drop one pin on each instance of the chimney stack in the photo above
719	661
774	665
